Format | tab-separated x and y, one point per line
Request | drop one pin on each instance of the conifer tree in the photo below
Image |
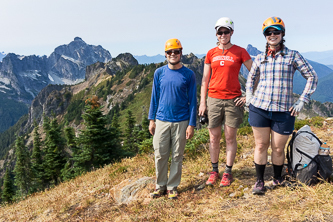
97	143
137	137
37	170
8	187
145	134
54	159
129	137
22	168
68	171
115	121
116	135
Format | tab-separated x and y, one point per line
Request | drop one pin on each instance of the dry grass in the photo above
87	199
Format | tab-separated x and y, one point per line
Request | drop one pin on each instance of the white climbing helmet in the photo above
224	22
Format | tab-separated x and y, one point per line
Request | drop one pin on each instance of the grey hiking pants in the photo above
169	136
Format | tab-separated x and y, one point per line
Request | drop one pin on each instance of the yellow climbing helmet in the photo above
172	44
273	22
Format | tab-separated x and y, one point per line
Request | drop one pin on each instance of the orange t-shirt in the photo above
224	83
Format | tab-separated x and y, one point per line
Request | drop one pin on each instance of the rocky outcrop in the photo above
133	189
47	101
127	58
93	69
195	64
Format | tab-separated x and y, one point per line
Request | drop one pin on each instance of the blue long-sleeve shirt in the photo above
174	95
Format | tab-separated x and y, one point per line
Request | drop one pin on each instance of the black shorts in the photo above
280	122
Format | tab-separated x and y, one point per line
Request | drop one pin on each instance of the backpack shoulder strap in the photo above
289	152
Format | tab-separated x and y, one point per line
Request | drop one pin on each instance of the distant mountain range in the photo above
23	77
144	59
325	57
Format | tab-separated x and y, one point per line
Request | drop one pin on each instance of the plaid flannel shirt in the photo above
274	91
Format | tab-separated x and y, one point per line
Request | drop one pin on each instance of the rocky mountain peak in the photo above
127	58
253	51
78	39
23	77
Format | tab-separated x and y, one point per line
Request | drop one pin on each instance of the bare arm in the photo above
241	100
248	64
204	87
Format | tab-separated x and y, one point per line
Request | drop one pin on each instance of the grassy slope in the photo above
140	102
86	198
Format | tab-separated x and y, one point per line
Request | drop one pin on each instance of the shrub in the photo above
129	83
246	130
146	146
197	142
316	121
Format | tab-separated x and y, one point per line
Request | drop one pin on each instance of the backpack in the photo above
304	163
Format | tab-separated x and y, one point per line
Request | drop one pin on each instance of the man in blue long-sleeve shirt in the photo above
173	107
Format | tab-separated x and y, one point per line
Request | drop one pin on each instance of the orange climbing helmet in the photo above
172	44
273	22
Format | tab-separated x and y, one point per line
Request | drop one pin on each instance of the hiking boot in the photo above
278	182
212	178
158	193
226	180
172	194
259	187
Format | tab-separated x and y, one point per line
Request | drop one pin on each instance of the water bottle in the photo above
324	149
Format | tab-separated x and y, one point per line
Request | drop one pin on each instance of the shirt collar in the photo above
283	52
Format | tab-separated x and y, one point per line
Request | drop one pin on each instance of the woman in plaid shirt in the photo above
269	94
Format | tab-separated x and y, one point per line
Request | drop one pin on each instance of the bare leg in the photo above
231	146
278	144
262	140
214	146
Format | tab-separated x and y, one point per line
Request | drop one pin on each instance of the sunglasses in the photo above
221	32
176	52
275	32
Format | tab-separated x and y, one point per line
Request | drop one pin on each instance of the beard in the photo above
174	63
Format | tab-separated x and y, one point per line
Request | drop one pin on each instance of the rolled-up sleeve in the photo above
253	75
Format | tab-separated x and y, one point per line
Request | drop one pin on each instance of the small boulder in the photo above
132	189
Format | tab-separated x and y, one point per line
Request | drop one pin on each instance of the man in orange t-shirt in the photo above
225	104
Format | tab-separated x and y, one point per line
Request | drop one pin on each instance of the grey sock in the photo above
228	169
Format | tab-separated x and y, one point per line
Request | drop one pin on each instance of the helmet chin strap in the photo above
223	48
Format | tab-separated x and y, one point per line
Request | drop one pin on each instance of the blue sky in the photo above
142	27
